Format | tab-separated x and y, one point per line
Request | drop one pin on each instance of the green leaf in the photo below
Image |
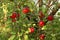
44	9
44	28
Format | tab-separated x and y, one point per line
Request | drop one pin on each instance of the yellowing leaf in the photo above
25	37
12	37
